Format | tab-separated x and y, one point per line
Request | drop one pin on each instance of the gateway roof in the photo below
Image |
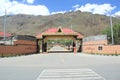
59	31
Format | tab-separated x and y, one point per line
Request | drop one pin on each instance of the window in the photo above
100	48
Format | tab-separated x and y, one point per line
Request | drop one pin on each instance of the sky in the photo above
50	7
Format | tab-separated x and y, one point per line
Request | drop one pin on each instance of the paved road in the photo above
58	48
66	66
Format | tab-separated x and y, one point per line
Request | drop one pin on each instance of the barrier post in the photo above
75	50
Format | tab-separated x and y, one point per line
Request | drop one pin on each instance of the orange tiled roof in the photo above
53	31
2	34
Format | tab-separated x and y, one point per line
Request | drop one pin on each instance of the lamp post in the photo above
111	29
5	26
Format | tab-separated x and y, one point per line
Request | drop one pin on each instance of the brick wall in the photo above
24	42
100	47
97	42
20	47
112	49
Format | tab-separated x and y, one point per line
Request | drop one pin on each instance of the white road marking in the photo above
69	74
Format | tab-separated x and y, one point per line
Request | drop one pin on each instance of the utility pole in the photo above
5	26
111	28
71	26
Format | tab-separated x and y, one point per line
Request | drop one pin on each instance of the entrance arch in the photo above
59	33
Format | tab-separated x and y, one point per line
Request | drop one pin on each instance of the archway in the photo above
59	34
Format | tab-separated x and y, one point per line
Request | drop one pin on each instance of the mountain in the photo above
83	22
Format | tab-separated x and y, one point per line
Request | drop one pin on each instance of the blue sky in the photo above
48	7
57	5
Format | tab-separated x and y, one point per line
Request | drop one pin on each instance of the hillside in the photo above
83	22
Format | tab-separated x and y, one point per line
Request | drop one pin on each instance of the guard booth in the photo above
57	34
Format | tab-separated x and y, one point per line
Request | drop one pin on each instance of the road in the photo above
57	66
58	48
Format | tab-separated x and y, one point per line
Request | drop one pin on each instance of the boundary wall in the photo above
99	45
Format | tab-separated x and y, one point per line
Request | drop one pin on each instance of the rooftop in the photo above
6	34
59	31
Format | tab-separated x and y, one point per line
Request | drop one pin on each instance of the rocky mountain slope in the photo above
83	22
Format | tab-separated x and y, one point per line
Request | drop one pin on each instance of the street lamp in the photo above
5	26
111	28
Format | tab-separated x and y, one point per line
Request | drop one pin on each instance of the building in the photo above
8	39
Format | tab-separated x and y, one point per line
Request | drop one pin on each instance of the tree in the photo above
116	33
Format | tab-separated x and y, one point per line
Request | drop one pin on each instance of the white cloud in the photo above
117	13
62	12
76	6
30	1
14	7
96	8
